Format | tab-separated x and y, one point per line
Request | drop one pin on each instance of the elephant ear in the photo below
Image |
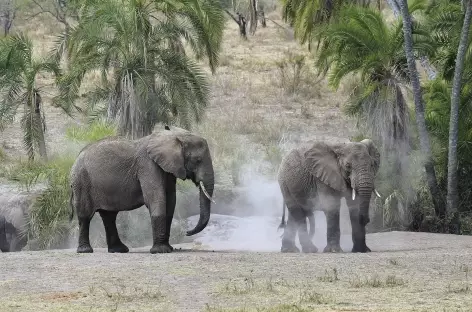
322	161
166	150
374	153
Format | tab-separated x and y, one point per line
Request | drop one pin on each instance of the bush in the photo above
95	131
49	226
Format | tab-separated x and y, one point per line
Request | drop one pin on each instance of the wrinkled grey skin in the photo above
12	239
116	174
317	175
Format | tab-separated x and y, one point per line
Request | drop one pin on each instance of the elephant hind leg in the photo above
290	230
84	242
113	239
306	240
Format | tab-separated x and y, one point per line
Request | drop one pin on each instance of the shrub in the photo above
49	226
93	132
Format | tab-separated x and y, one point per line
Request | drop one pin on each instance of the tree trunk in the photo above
252	16
40	125
263	19
8	13
452	195
395	6
419	109
65	52
42	141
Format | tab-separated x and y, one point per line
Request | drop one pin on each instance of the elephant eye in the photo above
199	159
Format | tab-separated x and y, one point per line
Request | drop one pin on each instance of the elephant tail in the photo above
71	216
282	223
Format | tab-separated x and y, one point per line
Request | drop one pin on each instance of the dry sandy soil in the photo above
406	272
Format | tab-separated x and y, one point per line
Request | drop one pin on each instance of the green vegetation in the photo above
18	84
359	42
95	131
146	75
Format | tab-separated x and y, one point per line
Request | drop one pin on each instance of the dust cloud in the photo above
260	204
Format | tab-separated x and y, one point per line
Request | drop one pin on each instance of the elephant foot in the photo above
309	248
332	248
85	249
161	248
118	248
363	248
289	248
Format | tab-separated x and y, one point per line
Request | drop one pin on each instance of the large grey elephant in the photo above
116	174
317	175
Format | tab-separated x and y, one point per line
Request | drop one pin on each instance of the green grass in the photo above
93	132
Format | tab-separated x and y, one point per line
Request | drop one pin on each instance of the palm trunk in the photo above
431	72
41	141
452	196
419	109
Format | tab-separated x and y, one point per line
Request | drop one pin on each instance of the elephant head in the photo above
349	168
186	156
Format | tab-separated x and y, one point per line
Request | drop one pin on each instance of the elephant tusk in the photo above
206	193
377	193
353	194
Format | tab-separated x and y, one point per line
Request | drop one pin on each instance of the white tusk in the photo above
206	193
353	194
377	193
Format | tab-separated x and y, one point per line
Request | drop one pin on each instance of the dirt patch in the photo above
62	296
405	272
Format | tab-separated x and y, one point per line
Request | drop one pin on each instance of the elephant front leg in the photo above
154	193
333	233
170	206
358	232
160	238
113	240
84	242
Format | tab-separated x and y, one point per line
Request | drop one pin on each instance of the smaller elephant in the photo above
14	212
317	175
117	174
11	240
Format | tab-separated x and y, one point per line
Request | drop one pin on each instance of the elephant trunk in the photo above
206	182
364	190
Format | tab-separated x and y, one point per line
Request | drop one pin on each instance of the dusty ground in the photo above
406	272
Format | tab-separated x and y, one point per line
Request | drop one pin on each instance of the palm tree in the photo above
450	28
145	79
308	17
452	194
18	87
419	110
360	42
438	99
